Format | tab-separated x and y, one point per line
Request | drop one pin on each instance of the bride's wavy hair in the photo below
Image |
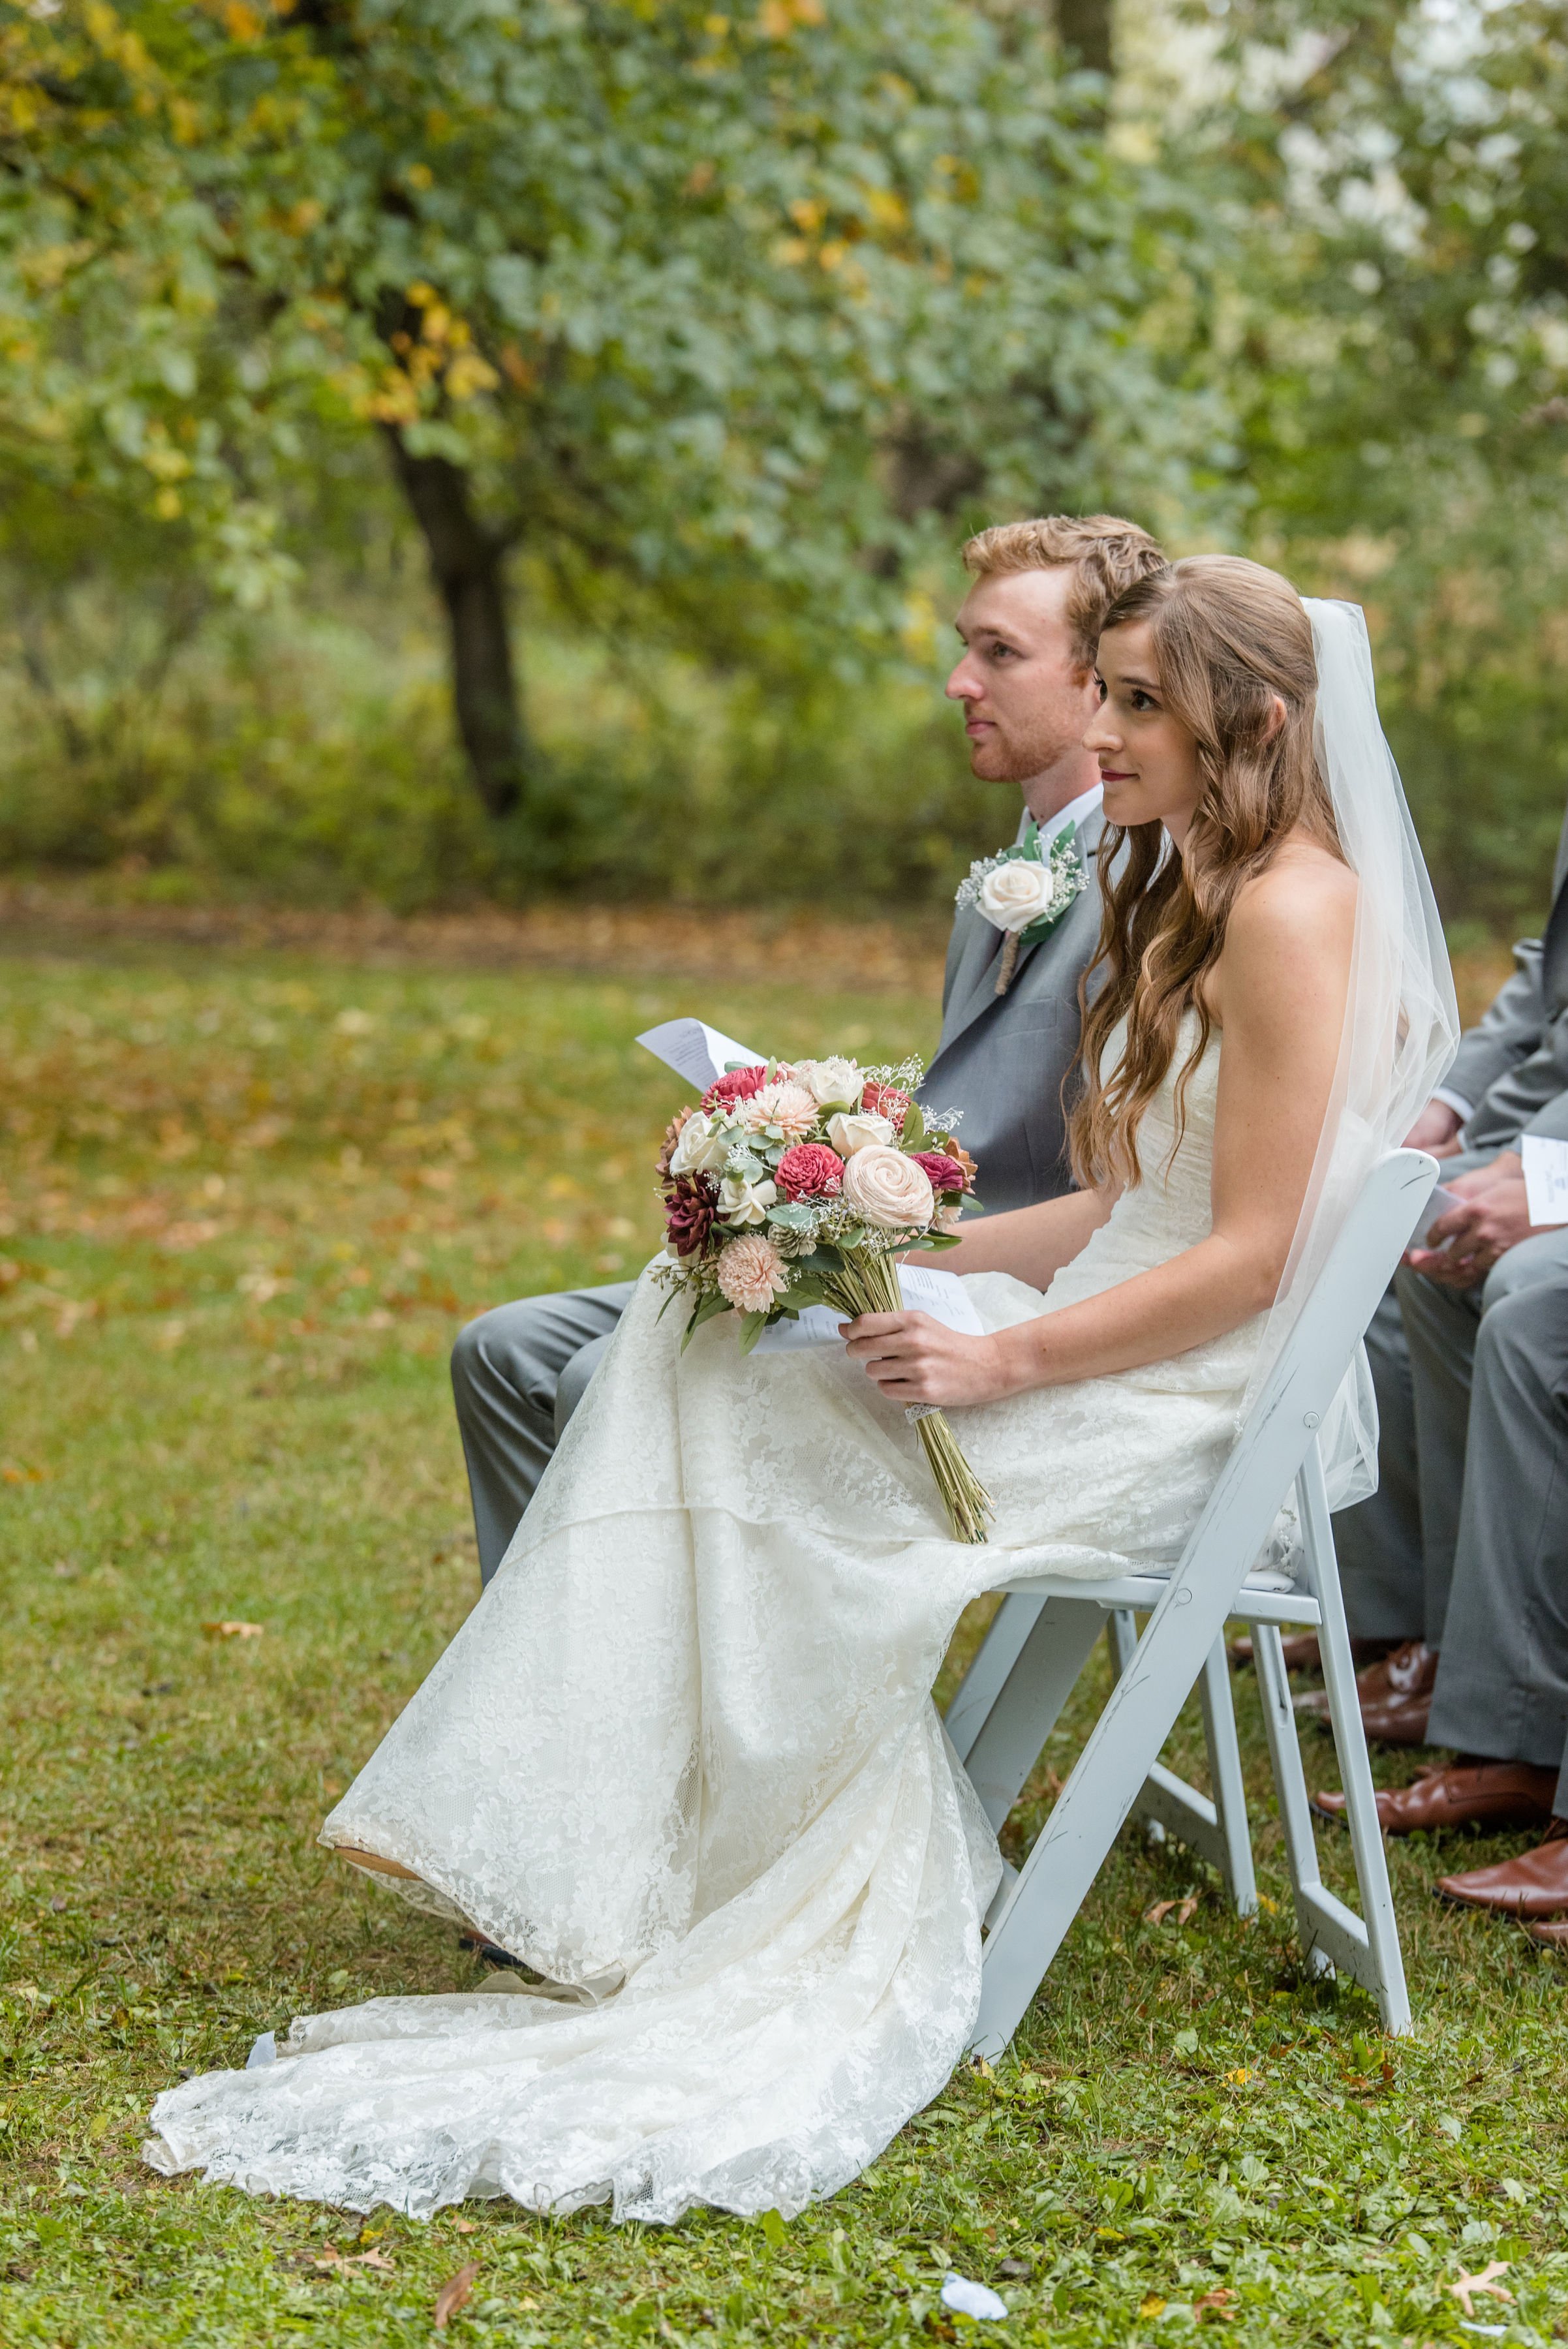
1228	636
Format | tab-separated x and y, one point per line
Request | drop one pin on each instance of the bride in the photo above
681	1759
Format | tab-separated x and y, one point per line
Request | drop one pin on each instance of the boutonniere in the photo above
1024	891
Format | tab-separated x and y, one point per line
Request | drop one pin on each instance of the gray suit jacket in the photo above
1003	1059
1513	1065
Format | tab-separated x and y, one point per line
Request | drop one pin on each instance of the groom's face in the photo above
1026	696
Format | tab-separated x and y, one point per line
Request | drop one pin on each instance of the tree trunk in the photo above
468	565
1085	29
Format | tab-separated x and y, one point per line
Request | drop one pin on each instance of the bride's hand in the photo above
915	1358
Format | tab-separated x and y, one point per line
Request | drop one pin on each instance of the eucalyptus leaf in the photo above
791	1216
712	1305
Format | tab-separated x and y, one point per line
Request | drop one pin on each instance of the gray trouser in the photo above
517	1375
1503	1352
1396	1550
1379	1542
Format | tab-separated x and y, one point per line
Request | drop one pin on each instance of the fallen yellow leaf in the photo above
233	1631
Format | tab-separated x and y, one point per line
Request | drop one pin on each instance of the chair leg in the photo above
1167	1806
1121	1631
1123	1638
1290	1784
1385	1974
1028	1924
1025	1709
987	1675
1366	1947
1225	1777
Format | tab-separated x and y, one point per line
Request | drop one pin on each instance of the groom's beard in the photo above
1017	756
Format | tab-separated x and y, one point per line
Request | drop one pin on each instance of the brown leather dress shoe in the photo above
1550	1937
1533	1885
1395	1696
1482	1794
1299	1649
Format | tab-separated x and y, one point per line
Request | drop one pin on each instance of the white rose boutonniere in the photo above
1024	891
1016	895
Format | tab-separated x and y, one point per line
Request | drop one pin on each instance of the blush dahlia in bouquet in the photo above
800	1182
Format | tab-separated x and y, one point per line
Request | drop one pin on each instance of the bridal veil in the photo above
1401	1021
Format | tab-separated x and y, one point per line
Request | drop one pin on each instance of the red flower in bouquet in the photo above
945	1173
739	1084
885	1100
810	1170
689	1212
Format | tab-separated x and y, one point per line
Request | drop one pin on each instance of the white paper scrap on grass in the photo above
694	1050
971	2298
1546	1178
942	1295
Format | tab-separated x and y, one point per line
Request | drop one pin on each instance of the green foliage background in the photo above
729	328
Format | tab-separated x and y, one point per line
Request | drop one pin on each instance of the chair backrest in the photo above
1274	1439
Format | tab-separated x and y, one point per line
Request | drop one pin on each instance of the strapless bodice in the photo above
1170	1209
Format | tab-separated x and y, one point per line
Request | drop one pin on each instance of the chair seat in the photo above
1260	1600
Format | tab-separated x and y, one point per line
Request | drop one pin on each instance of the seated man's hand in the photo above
915	1358
1495	1216
1435	1130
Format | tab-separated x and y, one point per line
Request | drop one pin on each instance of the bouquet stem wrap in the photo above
868	1283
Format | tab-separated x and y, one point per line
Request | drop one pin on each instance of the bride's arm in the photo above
1279	994
1032	1243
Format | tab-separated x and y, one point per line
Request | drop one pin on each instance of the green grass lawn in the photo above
244	1205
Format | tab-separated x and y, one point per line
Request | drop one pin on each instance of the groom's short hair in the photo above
1106	555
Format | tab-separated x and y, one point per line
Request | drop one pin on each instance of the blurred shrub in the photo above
310	757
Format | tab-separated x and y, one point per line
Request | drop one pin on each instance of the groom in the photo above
1011	1023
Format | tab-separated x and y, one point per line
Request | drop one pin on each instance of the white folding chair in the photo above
1031	1659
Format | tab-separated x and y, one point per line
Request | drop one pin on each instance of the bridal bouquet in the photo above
798	1183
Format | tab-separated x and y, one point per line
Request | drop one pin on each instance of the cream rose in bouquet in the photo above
801	1184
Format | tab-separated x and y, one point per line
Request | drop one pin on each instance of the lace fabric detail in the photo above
682	1760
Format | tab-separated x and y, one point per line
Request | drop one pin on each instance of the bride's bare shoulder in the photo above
1305	888
1294	923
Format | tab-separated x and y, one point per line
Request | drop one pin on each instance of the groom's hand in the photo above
915	1358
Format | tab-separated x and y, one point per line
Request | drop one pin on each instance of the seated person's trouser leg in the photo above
1379	1542
512	1371
1441	1326
1502	1684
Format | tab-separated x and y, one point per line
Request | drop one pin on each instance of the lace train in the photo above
682	1760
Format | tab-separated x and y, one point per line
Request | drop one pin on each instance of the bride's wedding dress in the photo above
682	1759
